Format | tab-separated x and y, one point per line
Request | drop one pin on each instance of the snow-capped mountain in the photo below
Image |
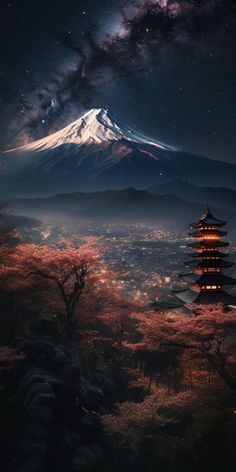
96	126
97	152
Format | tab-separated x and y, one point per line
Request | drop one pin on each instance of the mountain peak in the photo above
96	126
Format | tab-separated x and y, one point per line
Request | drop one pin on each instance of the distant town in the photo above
147	257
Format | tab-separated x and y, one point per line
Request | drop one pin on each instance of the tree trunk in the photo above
70	313
150	380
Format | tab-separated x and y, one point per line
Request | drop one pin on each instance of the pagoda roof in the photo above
205	254
187	295
208	279
205	224
207	219
208	244
205	297
204	263
202	233
166	304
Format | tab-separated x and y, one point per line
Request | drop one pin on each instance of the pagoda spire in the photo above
207	211
205	274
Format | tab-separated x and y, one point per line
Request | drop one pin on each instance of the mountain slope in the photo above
97	152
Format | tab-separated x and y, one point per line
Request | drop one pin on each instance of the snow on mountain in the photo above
96	126
97	152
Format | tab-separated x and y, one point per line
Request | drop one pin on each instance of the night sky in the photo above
166	68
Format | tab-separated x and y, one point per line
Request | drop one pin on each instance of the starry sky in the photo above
166	68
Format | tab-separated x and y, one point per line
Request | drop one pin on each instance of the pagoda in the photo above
206	268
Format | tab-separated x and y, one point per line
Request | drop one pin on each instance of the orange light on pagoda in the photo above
211	287
210	237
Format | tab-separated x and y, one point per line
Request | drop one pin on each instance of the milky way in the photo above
131	42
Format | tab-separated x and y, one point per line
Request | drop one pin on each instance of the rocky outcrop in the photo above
49	427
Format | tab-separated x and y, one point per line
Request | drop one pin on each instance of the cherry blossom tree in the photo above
65	267
118	324
208	330
153	417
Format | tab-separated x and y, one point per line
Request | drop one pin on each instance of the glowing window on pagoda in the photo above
210	237
207	228
211	258
211	287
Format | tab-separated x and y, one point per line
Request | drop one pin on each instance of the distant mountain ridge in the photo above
97	152
219	197
115	205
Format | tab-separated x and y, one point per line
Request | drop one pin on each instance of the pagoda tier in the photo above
206	254
206	244
204	297
207	220
207	263
201	233
212	278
